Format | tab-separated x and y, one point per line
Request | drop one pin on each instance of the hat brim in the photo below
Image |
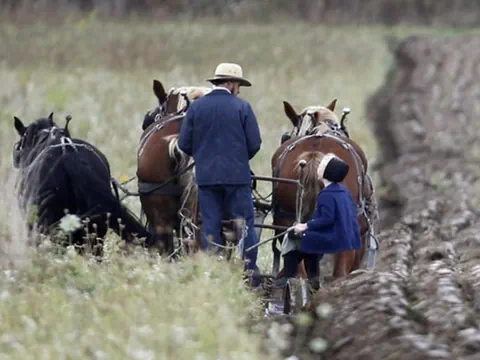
241	81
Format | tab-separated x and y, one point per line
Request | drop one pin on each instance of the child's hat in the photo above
332	168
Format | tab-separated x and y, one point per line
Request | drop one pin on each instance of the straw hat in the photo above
229	71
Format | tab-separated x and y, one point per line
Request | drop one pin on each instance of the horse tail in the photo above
94	198
176	155
312	185
182	161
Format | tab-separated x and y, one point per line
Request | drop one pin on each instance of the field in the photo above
62	306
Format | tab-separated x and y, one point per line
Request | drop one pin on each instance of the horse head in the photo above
180	98
175	100
33	138
313	119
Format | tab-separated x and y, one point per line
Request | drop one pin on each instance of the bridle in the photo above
334	127
50	133
163	107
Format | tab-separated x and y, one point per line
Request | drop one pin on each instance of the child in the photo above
333	227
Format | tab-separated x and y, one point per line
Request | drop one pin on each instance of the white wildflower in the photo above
99	354
9	275
7	339
142	354
4	295
180	333
278	336
46	244
287	328
318	345
30	324
144	330
304	319
200	356
69	223
323	310
71	253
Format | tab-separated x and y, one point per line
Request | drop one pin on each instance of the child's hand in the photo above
298	228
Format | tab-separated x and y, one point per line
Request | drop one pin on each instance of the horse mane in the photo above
321	114
312	185
33	143
193	93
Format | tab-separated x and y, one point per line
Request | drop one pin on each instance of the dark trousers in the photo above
311	261
237	201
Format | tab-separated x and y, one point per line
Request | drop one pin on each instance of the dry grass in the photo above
101	73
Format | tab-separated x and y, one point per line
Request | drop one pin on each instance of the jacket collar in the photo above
221	88
219	92
334	187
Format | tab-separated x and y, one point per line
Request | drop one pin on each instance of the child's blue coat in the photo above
334	226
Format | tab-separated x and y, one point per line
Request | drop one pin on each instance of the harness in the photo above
167	187
363	203
65	144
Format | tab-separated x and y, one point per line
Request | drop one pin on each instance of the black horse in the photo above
58	173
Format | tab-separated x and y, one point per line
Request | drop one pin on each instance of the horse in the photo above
59	174
165	174
317	131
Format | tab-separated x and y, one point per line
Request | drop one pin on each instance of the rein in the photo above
156	188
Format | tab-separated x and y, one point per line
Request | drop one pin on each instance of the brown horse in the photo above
165	174
317	131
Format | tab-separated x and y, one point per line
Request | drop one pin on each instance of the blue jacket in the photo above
334	226
221	132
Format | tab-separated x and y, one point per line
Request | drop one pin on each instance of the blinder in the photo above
16	154
333	125
285	137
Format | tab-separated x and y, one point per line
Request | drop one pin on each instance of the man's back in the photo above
222	134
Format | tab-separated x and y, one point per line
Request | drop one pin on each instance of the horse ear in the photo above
19	126
50	118
159	91
331	106
291	113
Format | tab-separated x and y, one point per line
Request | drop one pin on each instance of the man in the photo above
221	132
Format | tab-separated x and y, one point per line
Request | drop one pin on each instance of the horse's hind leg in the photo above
163	239
157	210
343	263
359	254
